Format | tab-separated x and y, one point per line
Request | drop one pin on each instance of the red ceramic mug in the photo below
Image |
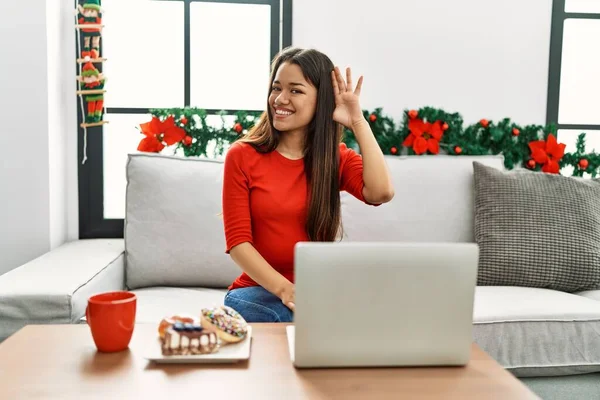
111	317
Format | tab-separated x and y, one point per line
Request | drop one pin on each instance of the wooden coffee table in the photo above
61	362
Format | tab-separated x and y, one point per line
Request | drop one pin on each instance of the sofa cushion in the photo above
153	304
537	230
173	229
567	387
590	294
538	332
433	202
54	288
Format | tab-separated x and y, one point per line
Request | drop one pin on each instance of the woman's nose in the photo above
282	98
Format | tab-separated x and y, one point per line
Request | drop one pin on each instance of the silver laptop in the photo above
383	304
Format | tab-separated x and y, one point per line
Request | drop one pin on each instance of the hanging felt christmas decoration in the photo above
90	14
92	83
88	23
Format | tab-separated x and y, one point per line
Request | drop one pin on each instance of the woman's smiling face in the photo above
293	100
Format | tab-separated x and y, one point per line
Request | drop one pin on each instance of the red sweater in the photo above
264	203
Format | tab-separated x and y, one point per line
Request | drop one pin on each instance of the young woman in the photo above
282	180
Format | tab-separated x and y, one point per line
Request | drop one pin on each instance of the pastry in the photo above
189	339
230	325
168	322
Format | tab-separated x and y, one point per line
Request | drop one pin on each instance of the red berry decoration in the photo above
413	114
531	163
238	127
373	117
184	120
583	163
187	140
484	122
516	132
393	150
445	127
458	149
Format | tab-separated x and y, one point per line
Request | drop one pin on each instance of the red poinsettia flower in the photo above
424	136
158	133
548	153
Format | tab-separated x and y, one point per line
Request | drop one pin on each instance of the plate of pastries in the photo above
217	335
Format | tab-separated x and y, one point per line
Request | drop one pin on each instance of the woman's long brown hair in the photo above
321	150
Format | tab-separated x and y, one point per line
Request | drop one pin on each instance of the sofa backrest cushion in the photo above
173	227
174	231
433	202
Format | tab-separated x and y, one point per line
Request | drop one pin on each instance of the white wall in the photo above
482	59
62	121
24	209
36	101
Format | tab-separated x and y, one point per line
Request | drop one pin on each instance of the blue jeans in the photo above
257	304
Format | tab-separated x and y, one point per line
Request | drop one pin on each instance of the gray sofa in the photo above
173	258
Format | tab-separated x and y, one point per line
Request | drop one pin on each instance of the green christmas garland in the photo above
423	131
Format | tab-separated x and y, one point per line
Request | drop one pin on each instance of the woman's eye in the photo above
278	89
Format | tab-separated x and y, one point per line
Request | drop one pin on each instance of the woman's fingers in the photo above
348	79
289	304
340	80
359	86
339	86
336	89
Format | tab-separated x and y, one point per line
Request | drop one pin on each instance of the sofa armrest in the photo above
54	288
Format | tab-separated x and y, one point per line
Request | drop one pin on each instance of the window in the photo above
573	81
167	54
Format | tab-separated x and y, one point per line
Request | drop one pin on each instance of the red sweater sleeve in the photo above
236	199
351	170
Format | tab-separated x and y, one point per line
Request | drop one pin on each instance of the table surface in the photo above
61	362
